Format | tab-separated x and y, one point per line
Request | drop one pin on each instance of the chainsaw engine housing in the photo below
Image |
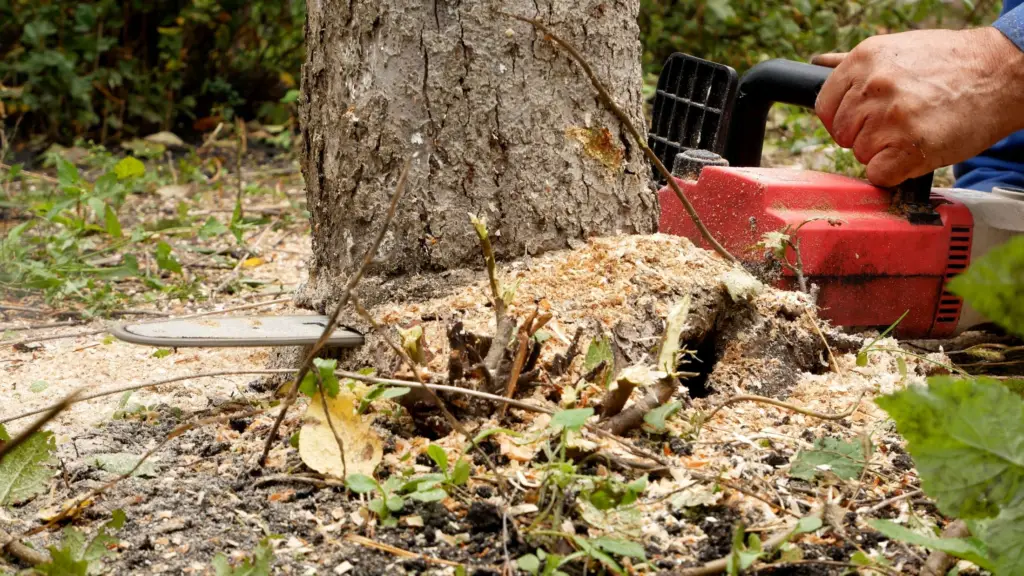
874	254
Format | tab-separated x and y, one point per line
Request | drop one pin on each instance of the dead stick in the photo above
15	548
330	423
371	252
52	413
606	99
363	541
36	175
61	324
799	410
525	330
350	375
939	562
129	387
178	431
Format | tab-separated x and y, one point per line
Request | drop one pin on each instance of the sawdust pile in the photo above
756	339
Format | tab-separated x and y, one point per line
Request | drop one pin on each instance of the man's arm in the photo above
912	102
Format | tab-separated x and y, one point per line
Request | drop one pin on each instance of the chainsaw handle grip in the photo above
785	82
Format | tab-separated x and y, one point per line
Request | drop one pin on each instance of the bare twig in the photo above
939	562
798	409
634	416
51	413
33	175
286	478
561	363
890	501
641	141
73	508
357	275
330	423
28	327
121	389
528	328
831	357
363	541
239	153
15	548
480	226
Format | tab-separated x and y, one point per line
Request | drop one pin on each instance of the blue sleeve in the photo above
1011	23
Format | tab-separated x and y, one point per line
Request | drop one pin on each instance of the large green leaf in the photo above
994	285
24	472
122	463
967	440
969	549
844	459
1004	538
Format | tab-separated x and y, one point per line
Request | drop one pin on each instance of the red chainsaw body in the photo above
870	263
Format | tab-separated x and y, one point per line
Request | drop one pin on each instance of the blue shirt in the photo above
1003	163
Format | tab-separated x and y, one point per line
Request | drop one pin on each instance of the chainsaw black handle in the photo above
785	82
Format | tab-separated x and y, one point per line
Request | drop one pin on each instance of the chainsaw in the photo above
874	255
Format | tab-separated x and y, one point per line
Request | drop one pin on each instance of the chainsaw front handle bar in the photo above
784	82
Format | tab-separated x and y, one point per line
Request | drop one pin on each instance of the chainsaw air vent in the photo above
692	108
948	313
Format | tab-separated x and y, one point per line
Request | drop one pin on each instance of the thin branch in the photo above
330	423
129	387
607	100
371	252
798	409
831	357
890	501
51	413
70	510
35	175
24	328
492	269
363	541
939	562
15	548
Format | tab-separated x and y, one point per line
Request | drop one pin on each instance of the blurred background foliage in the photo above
108	70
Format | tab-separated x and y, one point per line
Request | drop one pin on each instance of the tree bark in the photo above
500	123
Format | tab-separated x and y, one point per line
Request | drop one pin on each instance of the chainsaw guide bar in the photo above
241	331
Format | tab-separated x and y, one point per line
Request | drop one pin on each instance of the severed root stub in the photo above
604	306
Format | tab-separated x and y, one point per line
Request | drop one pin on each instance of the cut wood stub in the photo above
623	285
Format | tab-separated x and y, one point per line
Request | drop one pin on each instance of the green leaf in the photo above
161	353
600	350
164	259
290	96
994	285
122	463
294	440
439	456
806	525
361	484
844	459
901	365
395	502
862	358
4	436
462	472
861	559
529	563
39	386
129	167
330	380
112	224
259	564
434	495
654	420
965	548
965	438
620	547
67	173
1003	536
572	419
63	563
212	228
24	471
669	353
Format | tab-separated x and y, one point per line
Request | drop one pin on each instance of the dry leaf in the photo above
318	447
253	262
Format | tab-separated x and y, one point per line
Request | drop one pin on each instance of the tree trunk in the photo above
498	121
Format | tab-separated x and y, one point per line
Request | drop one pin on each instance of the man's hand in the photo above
912	102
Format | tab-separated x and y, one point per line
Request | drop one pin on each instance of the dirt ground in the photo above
207	496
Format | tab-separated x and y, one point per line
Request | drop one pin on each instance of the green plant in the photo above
964	433
104	68
26	470
258	564
77	557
